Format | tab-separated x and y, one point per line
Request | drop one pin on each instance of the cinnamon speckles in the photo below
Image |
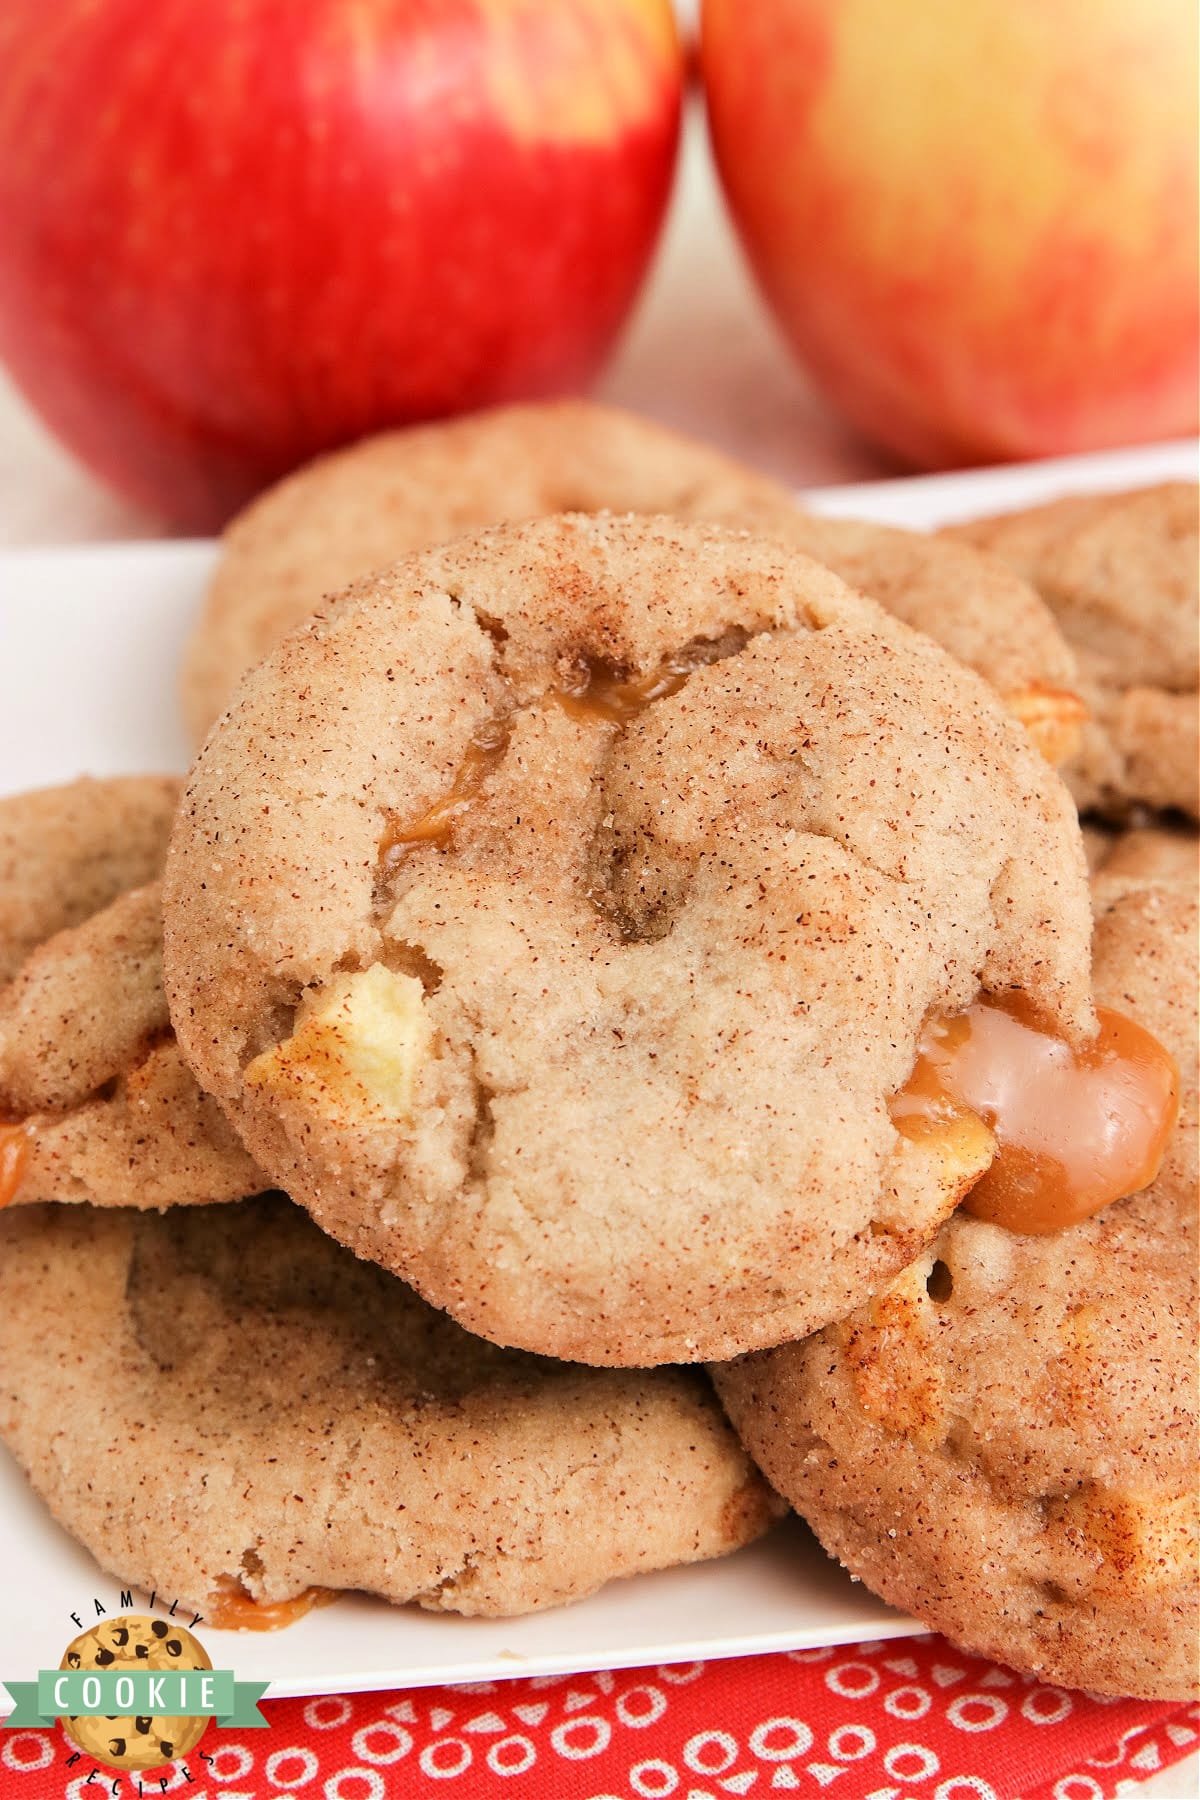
391	495
685	951
1026	1406
104	1107
1119	572
260	1414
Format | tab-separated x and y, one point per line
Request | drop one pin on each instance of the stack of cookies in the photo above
635	948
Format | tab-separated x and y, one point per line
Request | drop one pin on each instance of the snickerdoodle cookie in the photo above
971	603
359	509
556	919
1003	1441
1149	855
96	1101
226	1406
1119	571
65	852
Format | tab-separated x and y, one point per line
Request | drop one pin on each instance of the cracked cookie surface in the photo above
1004	1441
226	1400
361	508
598	1053
1119	571
96	1100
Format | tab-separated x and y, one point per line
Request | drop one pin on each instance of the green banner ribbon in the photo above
136	1693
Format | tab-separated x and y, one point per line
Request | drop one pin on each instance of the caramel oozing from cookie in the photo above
484	753
14	1159
600	695
1076	1128
231	1608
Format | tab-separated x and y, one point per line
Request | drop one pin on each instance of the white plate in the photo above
91	641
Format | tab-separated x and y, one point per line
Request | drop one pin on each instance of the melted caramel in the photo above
484	753
1076	1128
599	696
231	1608
14	1160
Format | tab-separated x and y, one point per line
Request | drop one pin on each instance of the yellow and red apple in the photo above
235	232
975	219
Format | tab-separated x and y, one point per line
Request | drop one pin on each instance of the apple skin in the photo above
976	220
238	232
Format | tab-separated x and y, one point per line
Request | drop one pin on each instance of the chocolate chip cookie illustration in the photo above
558	918
135	1641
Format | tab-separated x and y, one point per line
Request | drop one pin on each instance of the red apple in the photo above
975	219
236	232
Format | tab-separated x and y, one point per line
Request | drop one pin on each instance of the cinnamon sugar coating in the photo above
604	1070
1004	1441
89	1067
360	508
226	1396
65	852
1120	573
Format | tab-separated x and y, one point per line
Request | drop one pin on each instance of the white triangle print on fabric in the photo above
902	1665
485	1722
995	1678
785	1778
440	1716
741	1784
532	1714
1180	1734
1146	1758
404	1712
824	1772
605	1680
946	1677
575	1699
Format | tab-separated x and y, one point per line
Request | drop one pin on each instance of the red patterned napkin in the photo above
910	1719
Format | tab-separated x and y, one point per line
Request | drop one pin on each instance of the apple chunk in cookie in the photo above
357	1047
684	842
